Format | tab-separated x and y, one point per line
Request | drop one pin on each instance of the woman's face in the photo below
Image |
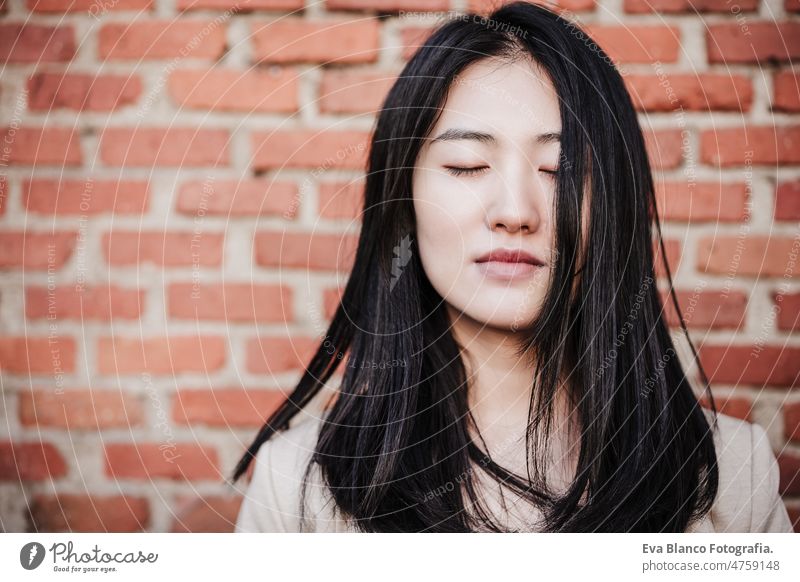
484	183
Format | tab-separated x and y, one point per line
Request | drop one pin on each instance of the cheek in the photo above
447	218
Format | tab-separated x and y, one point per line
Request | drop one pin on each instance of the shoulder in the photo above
272	501
748	499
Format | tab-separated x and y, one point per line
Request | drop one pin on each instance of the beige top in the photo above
747	501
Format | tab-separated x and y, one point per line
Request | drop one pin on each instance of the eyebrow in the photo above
487	138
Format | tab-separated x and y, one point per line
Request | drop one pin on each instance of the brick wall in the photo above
179	197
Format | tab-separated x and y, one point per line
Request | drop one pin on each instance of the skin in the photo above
506	202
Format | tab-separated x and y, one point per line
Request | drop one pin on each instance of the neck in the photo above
500	387
500	382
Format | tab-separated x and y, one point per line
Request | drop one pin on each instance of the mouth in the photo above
509	264
507	271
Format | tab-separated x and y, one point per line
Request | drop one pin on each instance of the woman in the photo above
508	367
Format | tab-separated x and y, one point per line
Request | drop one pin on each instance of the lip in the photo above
508	264
510	256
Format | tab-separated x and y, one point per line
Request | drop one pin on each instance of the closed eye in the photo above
459	171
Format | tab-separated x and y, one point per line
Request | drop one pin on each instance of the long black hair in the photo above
395	433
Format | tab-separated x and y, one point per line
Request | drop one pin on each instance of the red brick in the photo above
738	407
161	355
755	42
89	513
36	250
82	92
330	301
37	355
274	355
149	40
791	421
413	37
354	91
235	90
58	146
702	202
341	200
690	7
789	463
317	149
79	409
637	43
389	5
226	407
85	197
787	306
747	256
210	515
706	309
787	201
93	7
786	91
168	460
732	406
664	148
752	365
254	197
484	6
687	92
36	43
166	249
295	40
794	512
673	255
240	5
101	303
174	146
231	302
32	461
289	250
760	145
3	194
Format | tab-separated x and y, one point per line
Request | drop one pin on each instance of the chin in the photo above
500	318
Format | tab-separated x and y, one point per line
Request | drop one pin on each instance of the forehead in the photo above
513	99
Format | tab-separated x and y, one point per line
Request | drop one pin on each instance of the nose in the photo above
517	199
